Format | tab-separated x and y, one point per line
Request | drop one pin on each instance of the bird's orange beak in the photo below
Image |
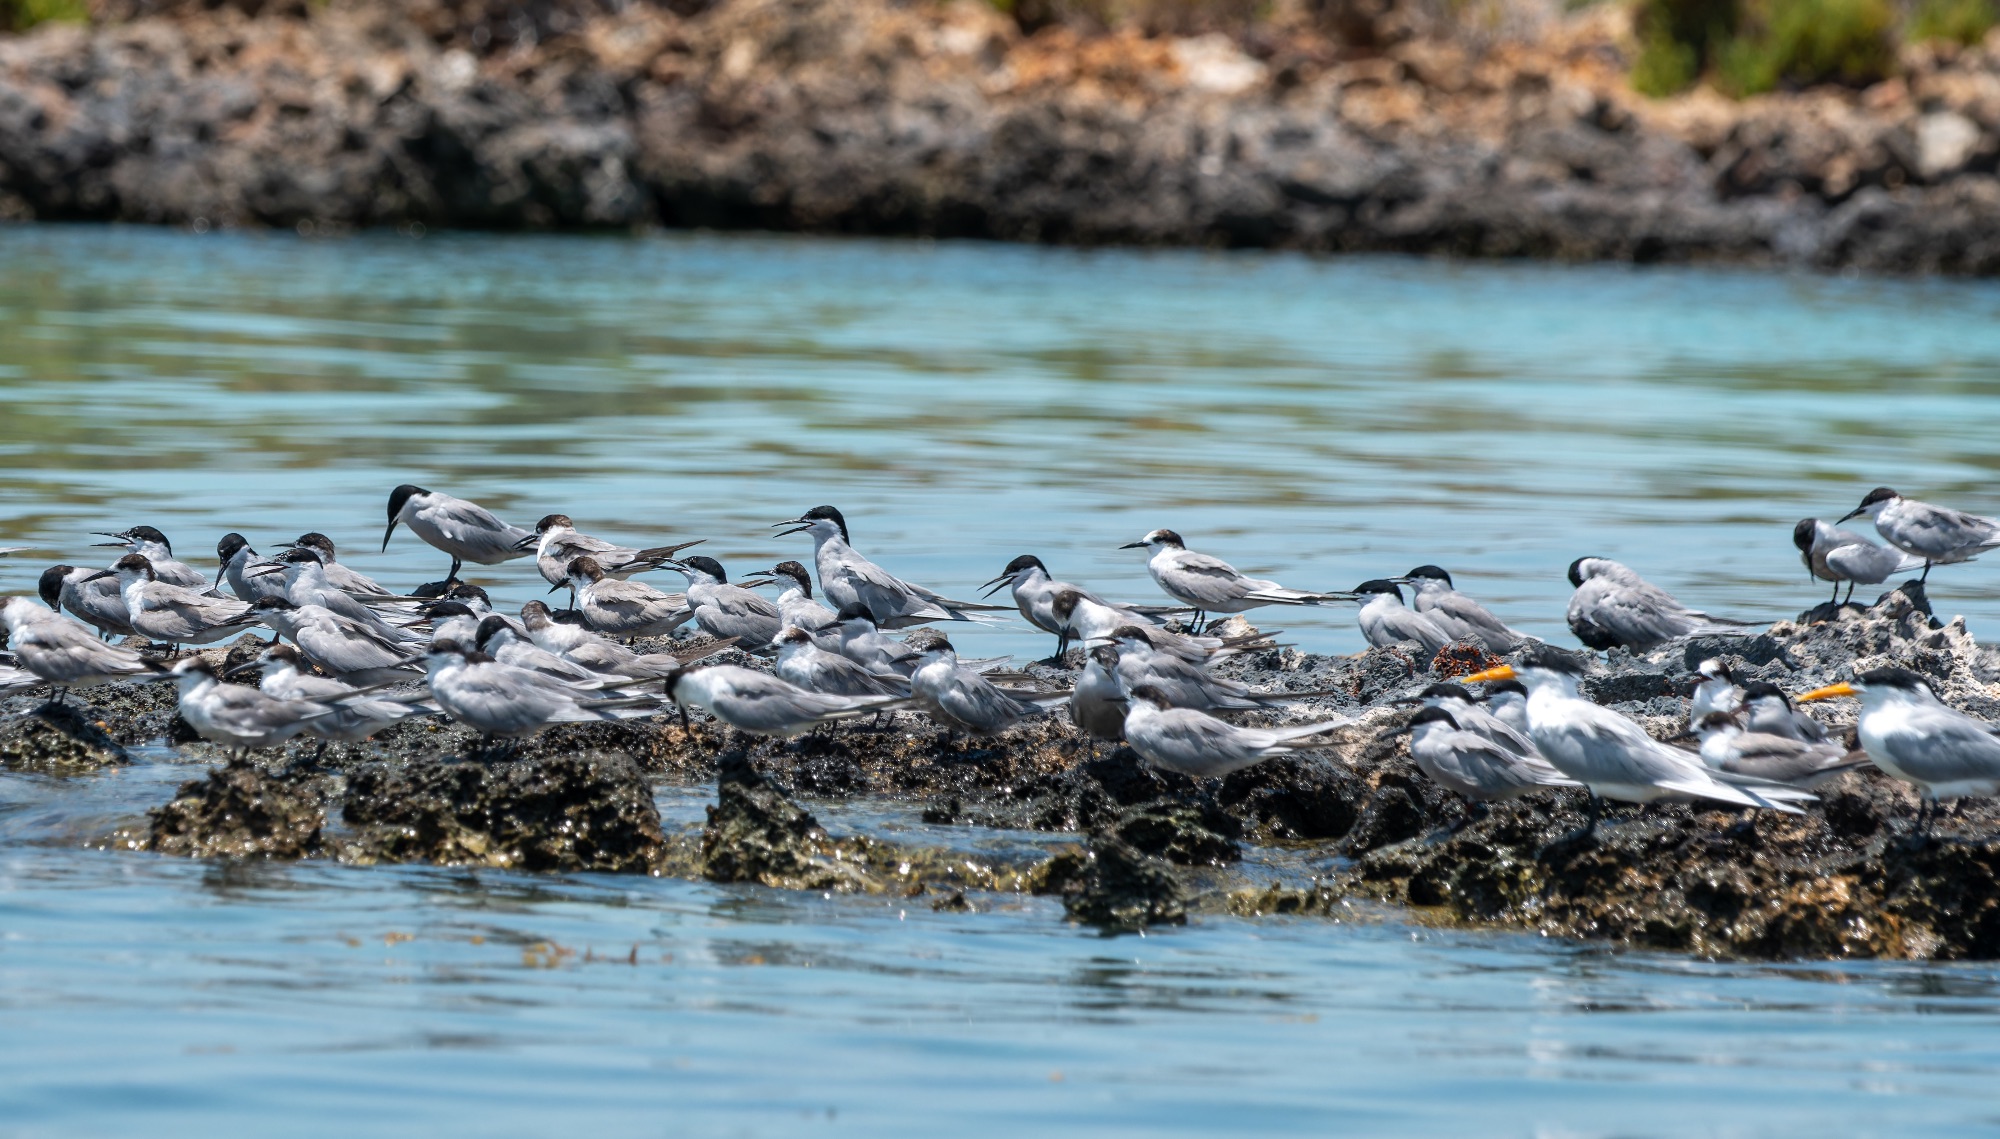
1828	693
1497	672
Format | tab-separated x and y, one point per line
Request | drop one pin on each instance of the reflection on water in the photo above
1326	421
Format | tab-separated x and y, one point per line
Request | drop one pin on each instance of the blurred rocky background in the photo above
1831	133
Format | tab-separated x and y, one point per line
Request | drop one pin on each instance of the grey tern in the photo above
343	648
499	700
1385	620
1209	584
1726	746
466	531
960	699
763	704
1434	596
152	545
1471	765
339	576
241	564
1937	534
1199	745
812	668
846	578
623	608
96	601
1097	706
172	614
557	542
796	605
1836	555
1912	735
236	716
66	653
1614	607
725	610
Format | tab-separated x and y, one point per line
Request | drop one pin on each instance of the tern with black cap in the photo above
87	595
1836	555
1197	744
466	531
1209	584
846	578
152	545
1914	736
1434	596
1613	607
1937	534
1385	620
172	614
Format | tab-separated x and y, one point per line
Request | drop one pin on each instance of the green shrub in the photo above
1752	46
20	15
1962	21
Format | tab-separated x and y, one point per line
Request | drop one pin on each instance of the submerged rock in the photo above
1110	884
57	739
239	811
580	812
755	834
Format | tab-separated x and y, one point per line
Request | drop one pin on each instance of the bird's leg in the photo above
1927	573
1850	593
452	575
1596	812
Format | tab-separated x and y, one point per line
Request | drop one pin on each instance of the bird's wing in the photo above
1938	745
1206	580
1631	613
1476	617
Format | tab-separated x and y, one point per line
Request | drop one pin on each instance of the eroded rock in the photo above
57	739
1108	883
239	811
579	812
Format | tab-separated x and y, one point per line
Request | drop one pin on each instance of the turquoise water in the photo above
1324	421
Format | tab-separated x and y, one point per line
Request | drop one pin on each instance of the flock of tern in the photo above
347	654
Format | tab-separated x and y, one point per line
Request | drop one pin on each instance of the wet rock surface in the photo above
1310	834
239	811
566	812
58	739
872	116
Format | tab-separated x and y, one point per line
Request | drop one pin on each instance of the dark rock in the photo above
1108	884
755	834
582	812
1183	833
239	811
57	739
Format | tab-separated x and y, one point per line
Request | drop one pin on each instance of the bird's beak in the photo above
1854	513
1392	733
102	573
1400	580
829	627
389	531
1497	672
101	533
1828	693
906	658
559	585
757	582
1406	700
527	543
240	669
1133	546
268	572
993	587
1677	737
798	526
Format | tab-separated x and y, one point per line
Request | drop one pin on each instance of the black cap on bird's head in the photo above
1536	658
1446	690
1132	633
1379	585
1716	721
796	574
793	635
318	543
51	584
397	499
1804	533
137	534
301	556
584	567
1431	715
1715	668
490	628
1432	572
534	614
805	521
230	545
441	609
551	521
1018	565
1160	537
1106	656
1764	689
1576	571
1873	498
1894	678
130	563
707	565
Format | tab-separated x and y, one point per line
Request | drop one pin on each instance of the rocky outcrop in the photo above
239	811
908	117
57	739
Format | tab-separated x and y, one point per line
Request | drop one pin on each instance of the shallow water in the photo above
1325	421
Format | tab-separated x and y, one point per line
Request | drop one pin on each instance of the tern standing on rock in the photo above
1199	745
1210	584
762	704
1470	764
1610	754
1614	607
236	716
1385	620
812	668
241	566
558	543
847	578
1915	737
725	610
623	608
1726	746
797	608
465	530
961	700
1938	535
1836	555
152	545
89	597
172	614
348	581
64	653
1464	619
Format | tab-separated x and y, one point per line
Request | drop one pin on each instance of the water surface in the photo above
1321	420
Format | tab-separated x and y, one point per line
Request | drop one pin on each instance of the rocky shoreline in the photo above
945	120
1848	878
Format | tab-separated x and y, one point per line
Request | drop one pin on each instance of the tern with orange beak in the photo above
1915	737
1611	755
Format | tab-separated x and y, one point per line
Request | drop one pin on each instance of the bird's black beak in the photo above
798	526
829	627
240	669
267	572
527	543
559	585
102	534
993	587
1133	546
102	573
757	583
1392	733
1854	513
389	531
1407	700
906	658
